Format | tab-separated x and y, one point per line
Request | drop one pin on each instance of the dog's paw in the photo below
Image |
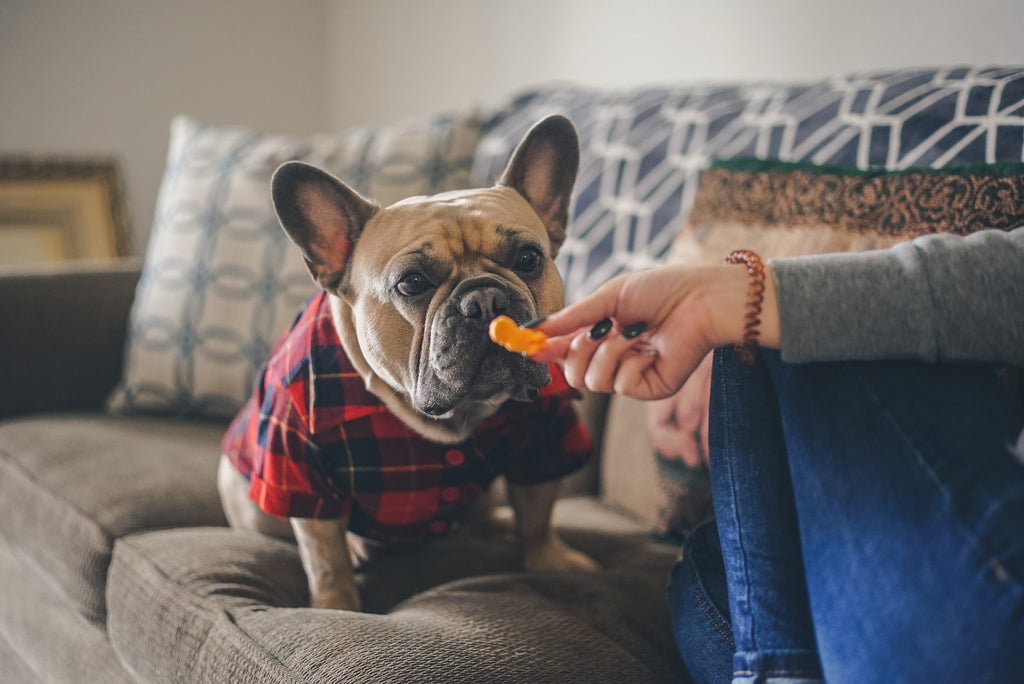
557	555
337	599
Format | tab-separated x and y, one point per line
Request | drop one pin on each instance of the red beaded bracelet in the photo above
746	350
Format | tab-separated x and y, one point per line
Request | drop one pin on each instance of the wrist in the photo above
728	301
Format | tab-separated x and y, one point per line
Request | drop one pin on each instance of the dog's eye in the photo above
412	284
529	259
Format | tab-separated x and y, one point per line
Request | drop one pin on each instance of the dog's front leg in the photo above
543	549
323	548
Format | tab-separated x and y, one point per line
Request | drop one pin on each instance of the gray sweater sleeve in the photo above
940	297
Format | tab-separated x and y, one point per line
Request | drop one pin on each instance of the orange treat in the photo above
505	332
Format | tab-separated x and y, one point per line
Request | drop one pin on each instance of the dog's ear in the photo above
321	215
543	170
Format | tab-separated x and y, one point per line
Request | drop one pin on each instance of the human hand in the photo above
596	340
678	425
644	333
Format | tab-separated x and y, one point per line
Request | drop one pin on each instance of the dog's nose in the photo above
483	302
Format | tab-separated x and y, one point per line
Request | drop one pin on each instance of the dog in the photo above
386	411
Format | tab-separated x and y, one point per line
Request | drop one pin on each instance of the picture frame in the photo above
57	208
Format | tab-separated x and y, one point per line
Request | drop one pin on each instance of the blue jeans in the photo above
869	527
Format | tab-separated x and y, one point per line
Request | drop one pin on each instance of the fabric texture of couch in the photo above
117	559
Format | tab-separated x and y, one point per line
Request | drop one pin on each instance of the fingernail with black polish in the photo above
600	329
631	331
534	323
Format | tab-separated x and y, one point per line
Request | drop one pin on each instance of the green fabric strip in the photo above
768	165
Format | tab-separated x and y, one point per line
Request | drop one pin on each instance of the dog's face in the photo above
417	283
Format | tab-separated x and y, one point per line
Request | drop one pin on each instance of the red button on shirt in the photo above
454	457
450	494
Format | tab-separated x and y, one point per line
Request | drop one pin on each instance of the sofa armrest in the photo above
64	328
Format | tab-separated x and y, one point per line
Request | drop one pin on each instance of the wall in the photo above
107	76
397	58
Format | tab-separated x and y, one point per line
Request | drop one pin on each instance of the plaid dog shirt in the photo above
315	443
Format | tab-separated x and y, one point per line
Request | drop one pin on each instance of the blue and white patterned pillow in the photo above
643	150
221	280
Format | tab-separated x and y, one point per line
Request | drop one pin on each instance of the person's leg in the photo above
909	490
765	606
758	529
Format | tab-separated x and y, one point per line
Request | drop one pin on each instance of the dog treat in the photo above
505	332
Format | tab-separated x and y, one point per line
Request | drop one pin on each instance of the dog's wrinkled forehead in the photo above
454	227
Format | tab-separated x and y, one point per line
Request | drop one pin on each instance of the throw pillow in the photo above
221	280
786	209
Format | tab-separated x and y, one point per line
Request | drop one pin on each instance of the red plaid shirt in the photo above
315	443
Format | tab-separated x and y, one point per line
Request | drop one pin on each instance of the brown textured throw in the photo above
901	204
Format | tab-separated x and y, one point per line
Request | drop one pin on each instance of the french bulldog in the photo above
408	292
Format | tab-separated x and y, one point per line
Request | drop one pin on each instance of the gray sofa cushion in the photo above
15	670
209	605
71	484
43	637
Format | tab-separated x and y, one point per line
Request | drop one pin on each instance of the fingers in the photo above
605	361
593	359
579	356
593	308
589	356
637	377
555	351
558	349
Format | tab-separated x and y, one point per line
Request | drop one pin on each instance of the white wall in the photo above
106	76
397	58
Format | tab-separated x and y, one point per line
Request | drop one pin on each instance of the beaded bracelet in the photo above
746	350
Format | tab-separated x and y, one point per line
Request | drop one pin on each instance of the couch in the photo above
117	381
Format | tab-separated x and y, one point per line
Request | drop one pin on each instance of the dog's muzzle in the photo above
461	363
